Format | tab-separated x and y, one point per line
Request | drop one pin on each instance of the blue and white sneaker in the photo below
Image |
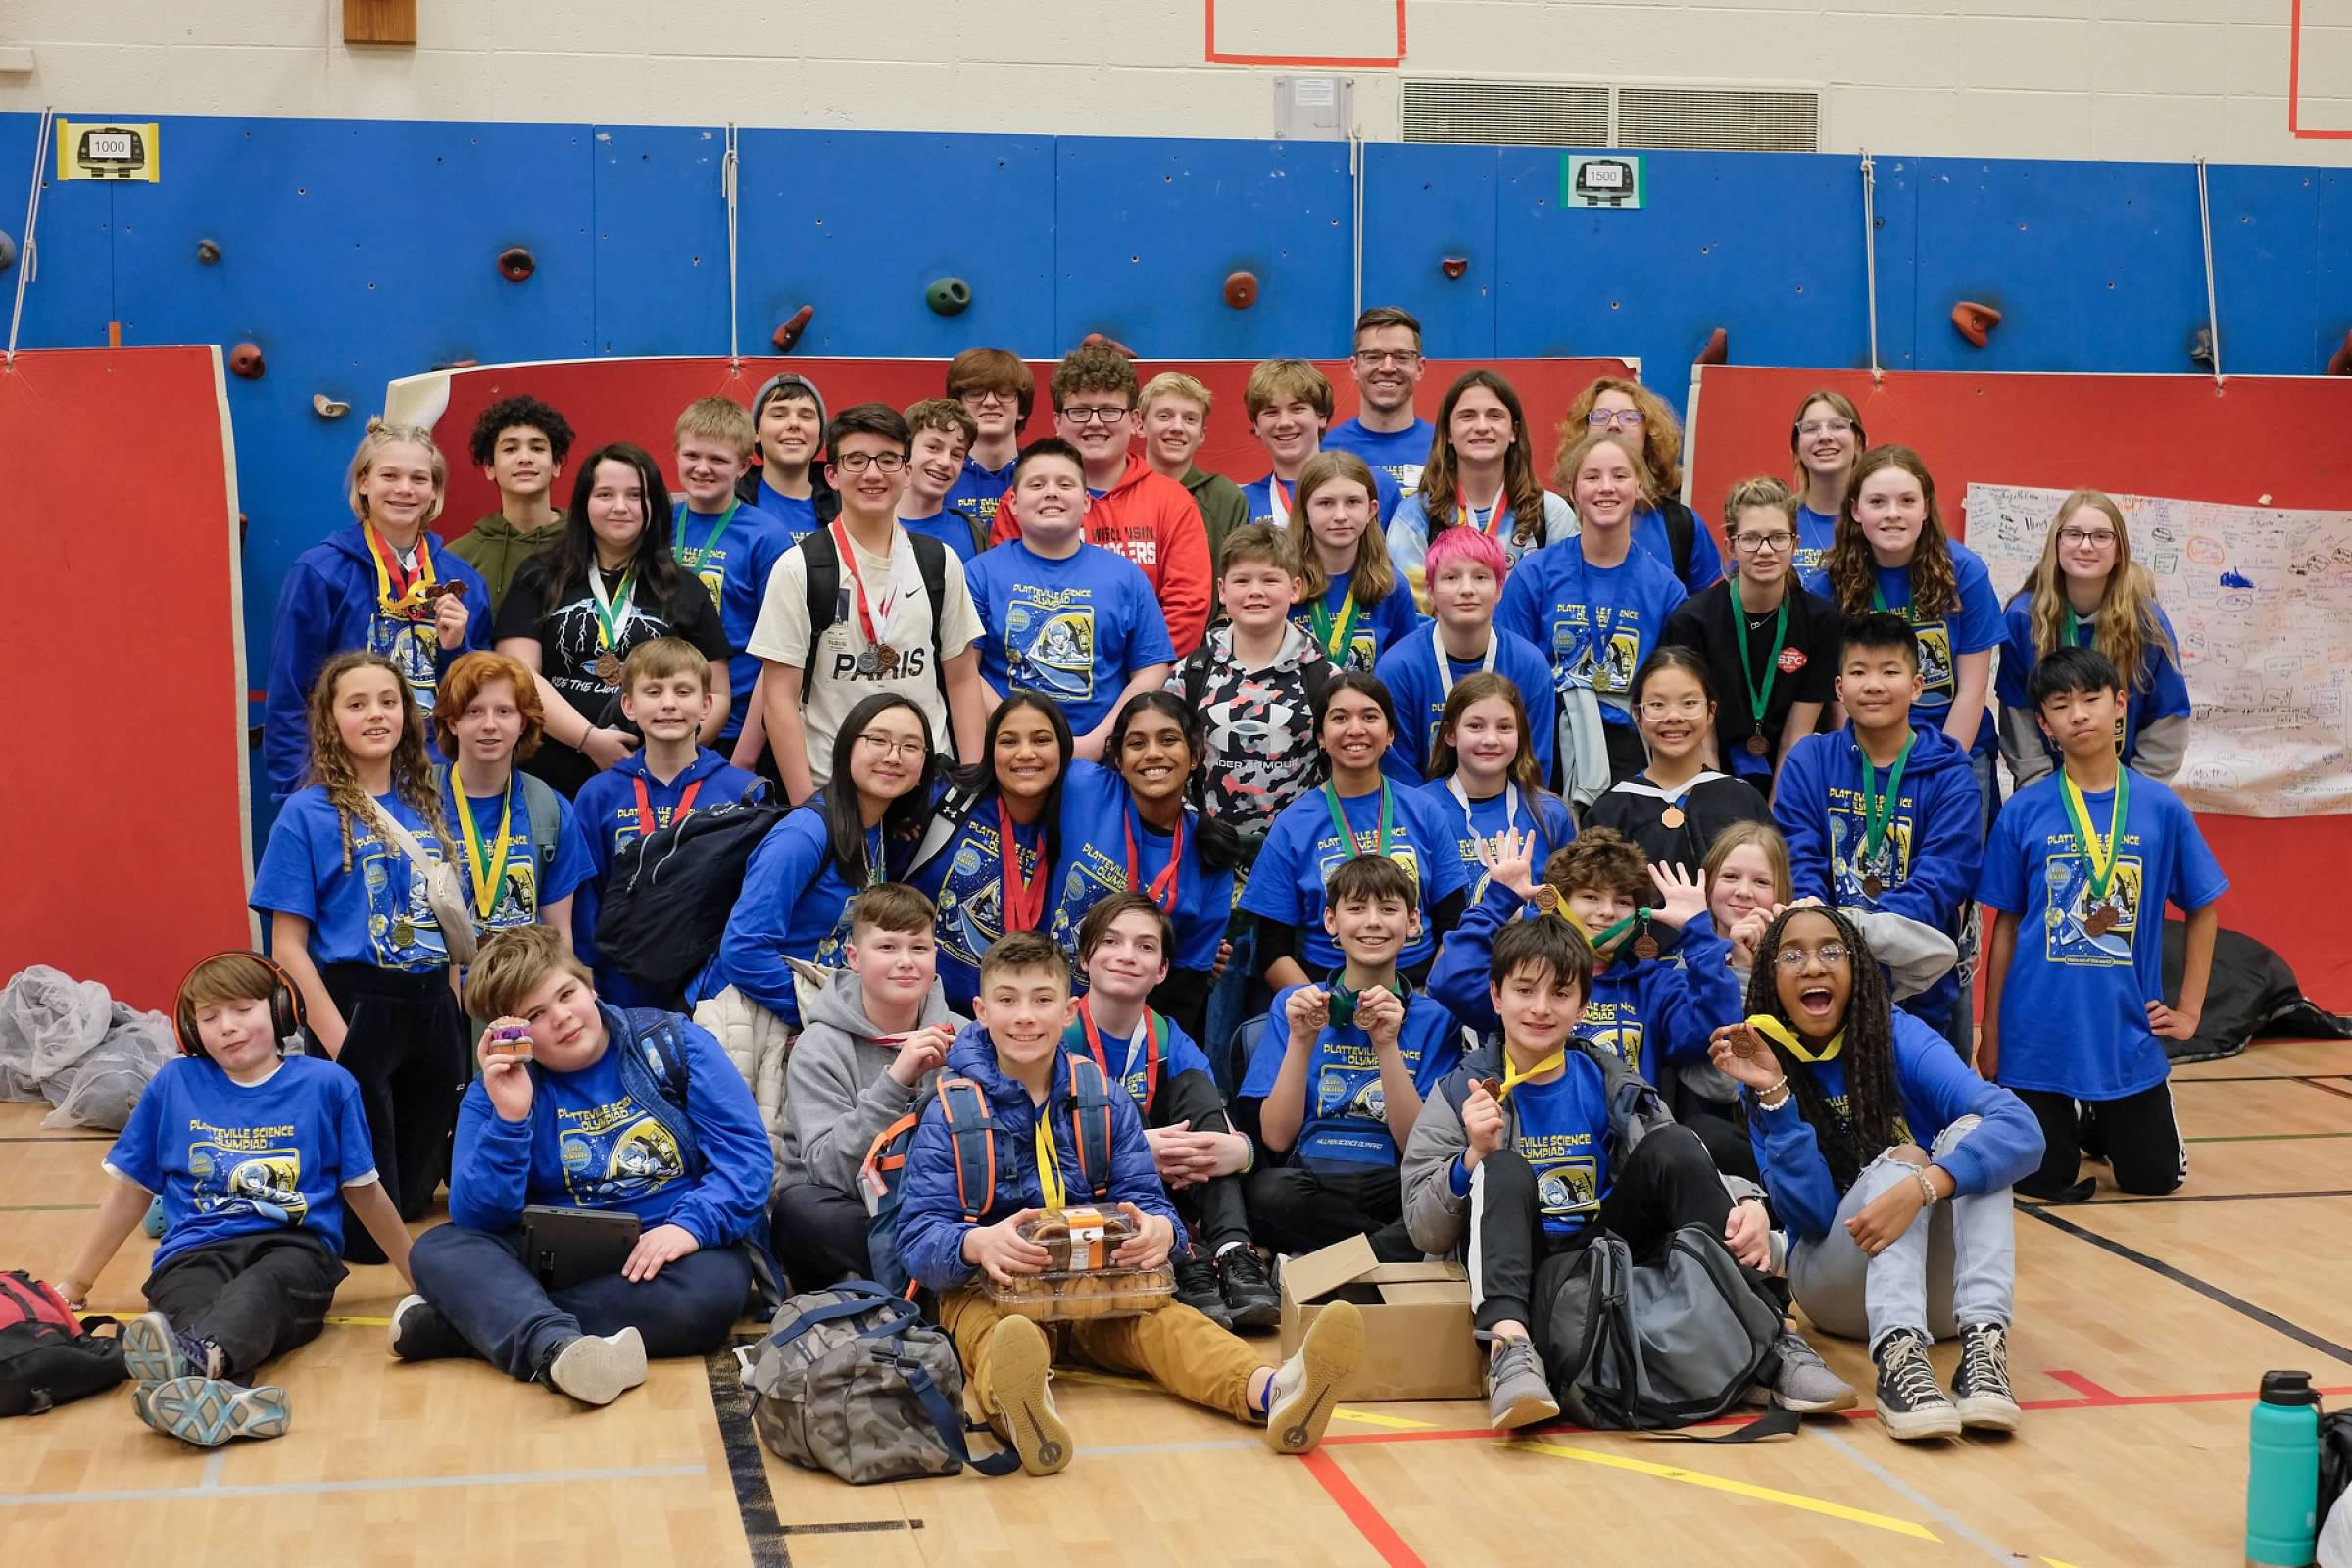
209	1411
154	1351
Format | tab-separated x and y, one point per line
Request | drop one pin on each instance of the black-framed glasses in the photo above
1623	418
1772	542
1095	415
860	461
1402	359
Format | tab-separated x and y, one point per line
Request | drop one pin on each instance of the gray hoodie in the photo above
840	1094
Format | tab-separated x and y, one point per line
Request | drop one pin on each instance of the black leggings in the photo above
405	1042
255	1295
2138	1135
1293	1209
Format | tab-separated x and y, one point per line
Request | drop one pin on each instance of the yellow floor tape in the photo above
1402	1423
1788	1499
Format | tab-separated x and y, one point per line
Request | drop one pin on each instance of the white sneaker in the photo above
1020	1378
598	1370
1306	1387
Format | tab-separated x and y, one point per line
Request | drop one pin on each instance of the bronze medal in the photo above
1493	1086
1746	1042
1645	945
1872	886
2102	920
1672	816
607	667
886	657
1546	898
1758	746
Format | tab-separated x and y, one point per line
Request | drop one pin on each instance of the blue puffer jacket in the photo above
930	1223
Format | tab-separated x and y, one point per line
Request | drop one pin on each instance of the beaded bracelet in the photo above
1928	1196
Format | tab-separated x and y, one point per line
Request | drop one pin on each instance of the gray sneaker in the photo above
1805	1383
1518	1395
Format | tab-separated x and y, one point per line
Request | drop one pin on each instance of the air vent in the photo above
1539	113
1726	120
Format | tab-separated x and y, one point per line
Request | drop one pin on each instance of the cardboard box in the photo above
1417	1342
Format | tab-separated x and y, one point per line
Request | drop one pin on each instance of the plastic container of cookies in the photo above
1080	1282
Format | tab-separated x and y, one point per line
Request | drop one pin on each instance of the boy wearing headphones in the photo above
257	1156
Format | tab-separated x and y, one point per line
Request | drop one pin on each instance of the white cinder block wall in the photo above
2054	78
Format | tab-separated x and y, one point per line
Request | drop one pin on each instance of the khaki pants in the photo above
1175	1348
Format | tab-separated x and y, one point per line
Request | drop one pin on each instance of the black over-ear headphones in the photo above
285	1002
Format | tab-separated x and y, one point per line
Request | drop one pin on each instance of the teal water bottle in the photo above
2283	1473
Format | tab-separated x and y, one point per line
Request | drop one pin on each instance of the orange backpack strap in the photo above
1090	1118
972	1128
886	1156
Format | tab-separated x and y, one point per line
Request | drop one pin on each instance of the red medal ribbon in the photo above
644	806
396	586
1164	887
848	558
1024	896
1094	1043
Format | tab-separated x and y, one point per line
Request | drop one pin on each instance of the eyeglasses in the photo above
1402	359
1623	418
1688	707
992	395
1103	415
860	461
2085	538
1773	542
1824	427
886	744
1831	954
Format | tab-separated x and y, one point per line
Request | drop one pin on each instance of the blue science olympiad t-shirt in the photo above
1074	629
1302	848
976	493
1597	623
731	554
1976	628
234	1159
1099	821
1408	668
2157	691
1564	1134
971	895
1128	1061
949	528
1346	1118
375	913
2074	1011
1401	455
533	875
1545	814
797	514
1372	630
1815	533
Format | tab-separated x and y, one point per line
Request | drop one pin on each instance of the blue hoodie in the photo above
930	1222
605	809
327	605
587	1143
1927	863
1653	1014
1937	1089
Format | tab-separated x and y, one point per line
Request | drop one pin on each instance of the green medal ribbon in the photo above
488	871
2100	855
691	556
1878	808
611	609
2073	629
1878	599
1335	633
1760	699
1601	939
1339	819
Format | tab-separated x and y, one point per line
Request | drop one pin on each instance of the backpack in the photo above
828	606
539	798
972	1129
671	891
1654	1346
2336	1458
49	1357
1680	534
850	1380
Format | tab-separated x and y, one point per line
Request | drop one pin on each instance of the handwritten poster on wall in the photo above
2260	599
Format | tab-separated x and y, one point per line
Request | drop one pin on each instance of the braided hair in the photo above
1220	846
1853	1140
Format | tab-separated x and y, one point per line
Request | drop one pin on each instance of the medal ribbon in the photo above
1493	527
1878	808
1279	499
644	806
873	856
848	558
1614	933
489	876
1764	1023
1513	1077
1437	643
1510	805
1348	834
611	611
1335	633
399	592
1024	896
1148	1031
691	556
1050	1185
1760	699
1878	599
2100	853
2075	628
1167	886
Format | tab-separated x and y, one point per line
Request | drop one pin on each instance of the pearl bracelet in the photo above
1928	1196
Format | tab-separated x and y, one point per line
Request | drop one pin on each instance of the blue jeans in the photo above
476	1280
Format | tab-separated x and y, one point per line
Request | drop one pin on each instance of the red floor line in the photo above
2084	1385
1377	1531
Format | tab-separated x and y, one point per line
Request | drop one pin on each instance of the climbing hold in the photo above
516	265
1093	339
328	407
245	361
1454	266
8	253
2340	362
207	252
1975	322
950	296
1241	290
2200	346
789	332
1717	350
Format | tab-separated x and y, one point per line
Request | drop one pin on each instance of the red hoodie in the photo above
1151	520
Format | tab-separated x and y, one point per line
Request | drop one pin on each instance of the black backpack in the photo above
1317	674
49	1357
1681	533
828	606
667	900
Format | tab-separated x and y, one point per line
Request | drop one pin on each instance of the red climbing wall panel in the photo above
126	840
638	400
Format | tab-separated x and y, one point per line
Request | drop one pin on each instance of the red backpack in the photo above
48	1356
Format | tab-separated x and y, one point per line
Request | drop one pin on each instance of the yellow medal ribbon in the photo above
1049	1184
404	601
1513	1077
2098	850
1764	1023
1334	632
488	878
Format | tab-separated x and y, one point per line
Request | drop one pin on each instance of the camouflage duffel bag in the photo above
850	1380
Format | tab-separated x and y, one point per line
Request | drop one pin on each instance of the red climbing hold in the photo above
1097	339
1717	350
1241	290
516	265
1975	322
2340	362
1454	266
789	334
245	362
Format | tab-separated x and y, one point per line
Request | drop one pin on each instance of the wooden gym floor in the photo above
2143	1325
